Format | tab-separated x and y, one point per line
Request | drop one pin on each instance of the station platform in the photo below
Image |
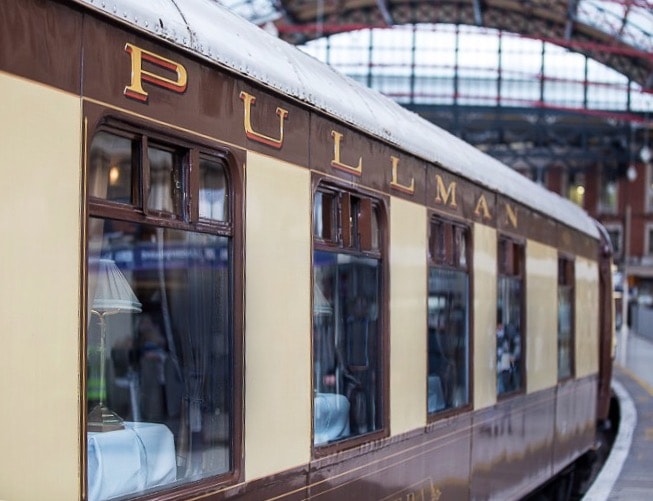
628	471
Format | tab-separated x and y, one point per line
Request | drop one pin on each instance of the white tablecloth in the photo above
435	394
129	461
330	417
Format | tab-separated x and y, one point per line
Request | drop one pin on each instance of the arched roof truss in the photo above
617	33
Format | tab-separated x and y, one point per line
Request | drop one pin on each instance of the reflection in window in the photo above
649	187
165	182
346	343
615	234
169	363
212	203
448	312
510	312
324	217
608	192
576	191
649	239
347	335
164	368
565	318
110	176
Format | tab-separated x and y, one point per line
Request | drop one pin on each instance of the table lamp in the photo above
112	295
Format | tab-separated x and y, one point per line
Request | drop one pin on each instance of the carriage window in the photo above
510	315
212	190
160	341
164	194
565	318
347	336
110	177
324	217
448	317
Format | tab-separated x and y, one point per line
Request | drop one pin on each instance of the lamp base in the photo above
103	419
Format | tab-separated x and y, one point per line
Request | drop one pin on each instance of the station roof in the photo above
236	45
617	33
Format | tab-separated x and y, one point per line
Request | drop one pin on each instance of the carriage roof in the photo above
213	33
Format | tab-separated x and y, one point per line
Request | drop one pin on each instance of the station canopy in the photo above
616	33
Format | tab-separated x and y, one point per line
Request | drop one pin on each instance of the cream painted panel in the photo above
587	318
541	316
277	320
40	164
485	316
408	247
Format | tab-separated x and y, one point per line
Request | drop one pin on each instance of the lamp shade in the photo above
320	304
112	291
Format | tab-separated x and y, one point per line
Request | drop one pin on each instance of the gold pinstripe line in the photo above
426	447
161	123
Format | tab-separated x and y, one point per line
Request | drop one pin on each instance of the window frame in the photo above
436	260
619	229
189	204
575	187
340	244
516	271
648	187
648	240
566	274
100	119
606	203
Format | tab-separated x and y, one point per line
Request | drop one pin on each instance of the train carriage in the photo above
230	272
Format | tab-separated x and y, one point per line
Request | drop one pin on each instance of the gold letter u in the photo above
249	100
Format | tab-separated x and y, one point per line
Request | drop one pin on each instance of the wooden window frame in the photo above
511	263
189	153
567	278
352	212
141	131
350	241
448	256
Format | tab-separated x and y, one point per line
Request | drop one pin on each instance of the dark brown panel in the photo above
519	220
516	219
511	451
542	229
512	448
431	465
447	193
574	242
407	178
266	121
208	105
41	40
358	160
450	194
382	168
212	103
575	420
289	485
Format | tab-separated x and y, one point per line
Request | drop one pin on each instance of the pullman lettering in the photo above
337	163
394	183
442	193
248	101
139	75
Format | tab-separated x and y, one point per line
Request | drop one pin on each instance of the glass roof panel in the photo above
630	21
256	11
530	71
